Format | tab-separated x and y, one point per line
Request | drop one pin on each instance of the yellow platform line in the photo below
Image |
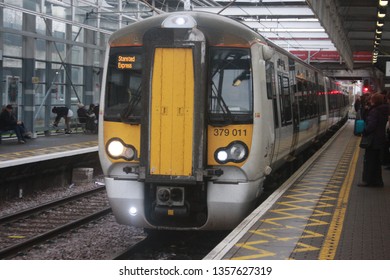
332	238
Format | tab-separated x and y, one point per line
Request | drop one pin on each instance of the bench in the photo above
10	132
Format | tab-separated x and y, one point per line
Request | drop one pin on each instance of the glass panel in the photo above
230	93
12	19
76	98
40	25
57	88
12	45
95	1
40	49
77	34
77	55
12	94
97	74
18	3
123	89
40	92
285	101
59	47
84	15
61	9
58	29
77	75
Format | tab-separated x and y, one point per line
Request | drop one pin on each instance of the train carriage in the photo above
197	109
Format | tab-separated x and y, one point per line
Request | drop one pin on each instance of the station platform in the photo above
45	148
319	213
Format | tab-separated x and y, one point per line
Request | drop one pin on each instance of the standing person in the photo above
63	112
357	107
376	121
8	121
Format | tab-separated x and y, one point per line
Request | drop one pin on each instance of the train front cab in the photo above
186	131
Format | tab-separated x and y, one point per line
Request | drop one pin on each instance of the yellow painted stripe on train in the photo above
130	134
329	247
172	112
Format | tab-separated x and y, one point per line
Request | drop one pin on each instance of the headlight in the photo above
236	152
117	149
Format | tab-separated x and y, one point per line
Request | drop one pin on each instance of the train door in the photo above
172	112
271	94
173	130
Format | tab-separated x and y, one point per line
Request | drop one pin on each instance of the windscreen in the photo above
230	92
123	85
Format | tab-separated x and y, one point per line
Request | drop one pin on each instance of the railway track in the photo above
173	245
25	229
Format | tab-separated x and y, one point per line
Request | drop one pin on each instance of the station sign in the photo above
330	56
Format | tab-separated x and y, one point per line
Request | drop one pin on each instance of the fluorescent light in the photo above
380	15
378	31
379	24
383	3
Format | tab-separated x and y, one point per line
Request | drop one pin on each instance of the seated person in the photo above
94	109
8	121
86	117
83	114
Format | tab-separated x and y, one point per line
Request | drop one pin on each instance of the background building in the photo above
52	52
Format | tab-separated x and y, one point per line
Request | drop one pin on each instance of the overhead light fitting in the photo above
381	13
383	3
380	23
378	31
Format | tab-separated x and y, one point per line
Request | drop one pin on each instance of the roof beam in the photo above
327	14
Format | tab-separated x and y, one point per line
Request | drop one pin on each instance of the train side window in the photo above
270	79
285	100
321	100
302	99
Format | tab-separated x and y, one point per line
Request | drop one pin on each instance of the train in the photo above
196	111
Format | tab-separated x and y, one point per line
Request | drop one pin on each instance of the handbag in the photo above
367	141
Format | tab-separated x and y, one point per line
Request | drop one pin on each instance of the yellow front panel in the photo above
172	112
218	137
130	134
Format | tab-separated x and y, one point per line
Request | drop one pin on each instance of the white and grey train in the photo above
196	111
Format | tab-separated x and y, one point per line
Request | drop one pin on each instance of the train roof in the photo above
218	30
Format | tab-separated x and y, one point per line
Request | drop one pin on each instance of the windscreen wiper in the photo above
128	113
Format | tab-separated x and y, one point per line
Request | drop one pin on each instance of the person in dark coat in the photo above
83	114
8	121
357	107
375	124
94	109
63	112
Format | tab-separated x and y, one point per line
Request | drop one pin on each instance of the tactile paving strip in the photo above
46	151
297	225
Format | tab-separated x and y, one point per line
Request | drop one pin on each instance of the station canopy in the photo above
345	32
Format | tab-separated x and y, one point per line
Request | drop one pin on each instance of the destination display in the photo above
129	61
